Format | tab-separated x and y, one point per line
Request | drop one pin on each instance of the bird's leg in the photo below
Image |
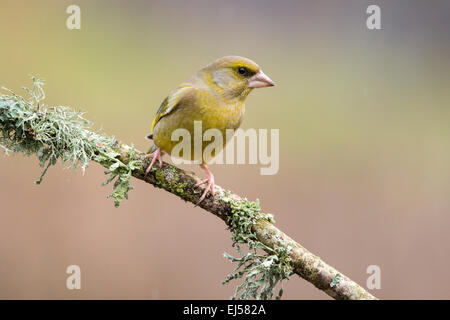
209	181
156	155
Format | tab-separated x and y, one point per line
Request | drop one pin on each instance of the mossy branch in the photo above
59	133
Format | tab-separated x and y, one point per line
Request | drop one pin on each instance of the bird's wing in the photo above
171	102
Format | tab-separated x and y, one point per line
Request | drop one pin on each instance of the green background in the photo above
364	159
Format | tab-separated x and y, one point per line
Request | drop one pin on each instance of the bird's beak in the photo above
260	80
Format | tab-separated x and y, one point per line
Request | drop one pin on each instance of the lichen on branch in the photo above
60	133
262	268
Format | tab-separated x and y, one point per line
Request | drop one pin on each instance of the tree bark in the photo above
307	265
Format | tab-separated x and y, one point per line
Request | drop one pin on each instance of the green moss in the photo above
180	188
160	178
169	179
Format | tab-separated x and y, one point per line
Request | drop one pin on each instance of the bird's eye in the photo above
242	71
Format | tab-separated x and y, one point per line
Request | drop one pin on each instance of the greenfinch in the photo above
215	95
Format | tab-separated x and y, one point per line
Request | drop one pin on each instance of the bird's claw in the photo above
209	181
156	155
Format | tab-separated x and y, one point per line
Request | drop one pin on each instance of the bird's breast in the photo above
210	113
223	116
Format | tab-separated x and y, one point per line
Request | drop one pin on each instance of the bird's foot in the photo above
156	155
209	181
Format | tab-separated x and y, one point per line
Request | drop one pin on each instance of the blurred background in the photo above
363	115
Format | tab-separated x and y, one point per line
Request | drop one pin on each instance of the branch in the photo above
58	133
306	265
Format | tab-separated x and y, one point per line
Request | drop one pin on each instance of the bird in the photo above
214	95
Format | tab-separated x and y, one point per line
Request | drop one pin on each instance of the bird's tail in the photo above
153	147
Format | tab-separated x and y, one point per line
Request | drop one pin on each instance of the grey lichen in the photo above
262	268
119	171
59	133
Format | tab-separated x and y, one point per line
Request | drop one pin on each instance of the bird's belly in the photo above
219	118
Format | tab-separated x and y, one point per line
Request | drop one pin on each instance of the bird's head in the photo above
234	77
